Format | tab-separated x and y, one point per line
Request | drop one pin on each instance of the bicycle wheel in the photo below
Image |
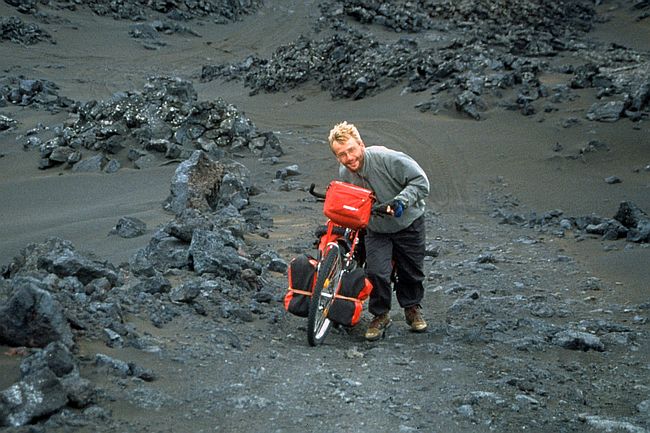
329	276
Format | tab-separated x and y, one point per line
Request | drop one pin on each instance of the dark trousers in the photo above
405	249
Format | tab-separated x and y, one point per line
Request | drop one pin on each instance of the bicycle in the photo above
337	254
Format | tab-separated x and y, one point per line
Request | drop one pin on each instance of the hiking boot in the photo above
414	319
377	327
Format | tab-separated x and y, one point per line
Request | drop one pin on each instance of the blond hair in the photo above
342	133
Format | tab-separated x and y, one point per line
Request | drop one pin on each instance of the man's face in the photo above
350	153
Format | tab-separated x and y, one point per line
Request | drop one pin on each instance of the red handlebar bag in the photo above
348	205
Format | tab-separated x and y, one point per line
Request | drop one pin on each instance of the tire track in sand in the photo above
443	163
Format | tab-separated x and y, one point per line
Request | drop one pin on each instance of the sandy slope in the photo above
95	57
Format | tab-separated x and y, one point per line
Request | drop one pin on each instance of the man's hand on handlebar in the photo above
394	208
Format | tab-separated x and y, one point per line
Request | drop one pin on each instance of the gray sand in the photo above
464	159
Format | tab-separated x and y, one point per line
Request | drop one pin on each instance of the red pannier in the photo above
348	205
348	302
302	278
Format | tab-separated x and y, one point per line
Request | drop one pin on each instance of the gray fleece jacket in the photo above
391	175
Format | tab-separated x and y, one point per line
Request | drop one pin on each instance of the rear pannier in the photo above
302	278
348	302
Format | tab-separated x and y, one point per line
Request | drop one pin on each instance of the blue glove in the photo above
397	207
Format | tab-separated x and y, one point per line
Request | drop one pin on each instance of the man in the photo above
398	240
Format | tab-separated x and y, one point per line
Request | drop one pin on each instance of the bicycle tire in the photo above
329	276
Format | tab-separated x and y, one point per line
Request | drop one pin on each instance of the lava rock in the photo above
636	220
606	112
33	318
37	395
195	184
130	227
576	340
15	30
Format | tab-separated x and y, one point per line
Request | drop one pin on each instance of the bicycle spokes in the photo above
329	277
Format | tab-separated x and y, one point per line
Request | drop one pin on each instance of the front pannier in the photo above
348	302
302	278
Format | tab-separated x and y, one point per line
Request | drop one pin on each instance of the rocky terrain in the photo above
538	314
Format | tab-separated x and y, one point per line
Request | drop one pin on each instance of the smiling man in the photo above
398	240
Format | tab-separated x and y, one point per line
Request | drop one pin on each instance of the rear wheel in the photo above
329	277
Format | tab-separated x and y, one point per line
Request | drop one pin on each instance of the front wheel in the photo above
329	277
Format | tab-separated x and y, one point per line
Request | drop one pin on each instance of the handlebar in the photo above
313	192
380	210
